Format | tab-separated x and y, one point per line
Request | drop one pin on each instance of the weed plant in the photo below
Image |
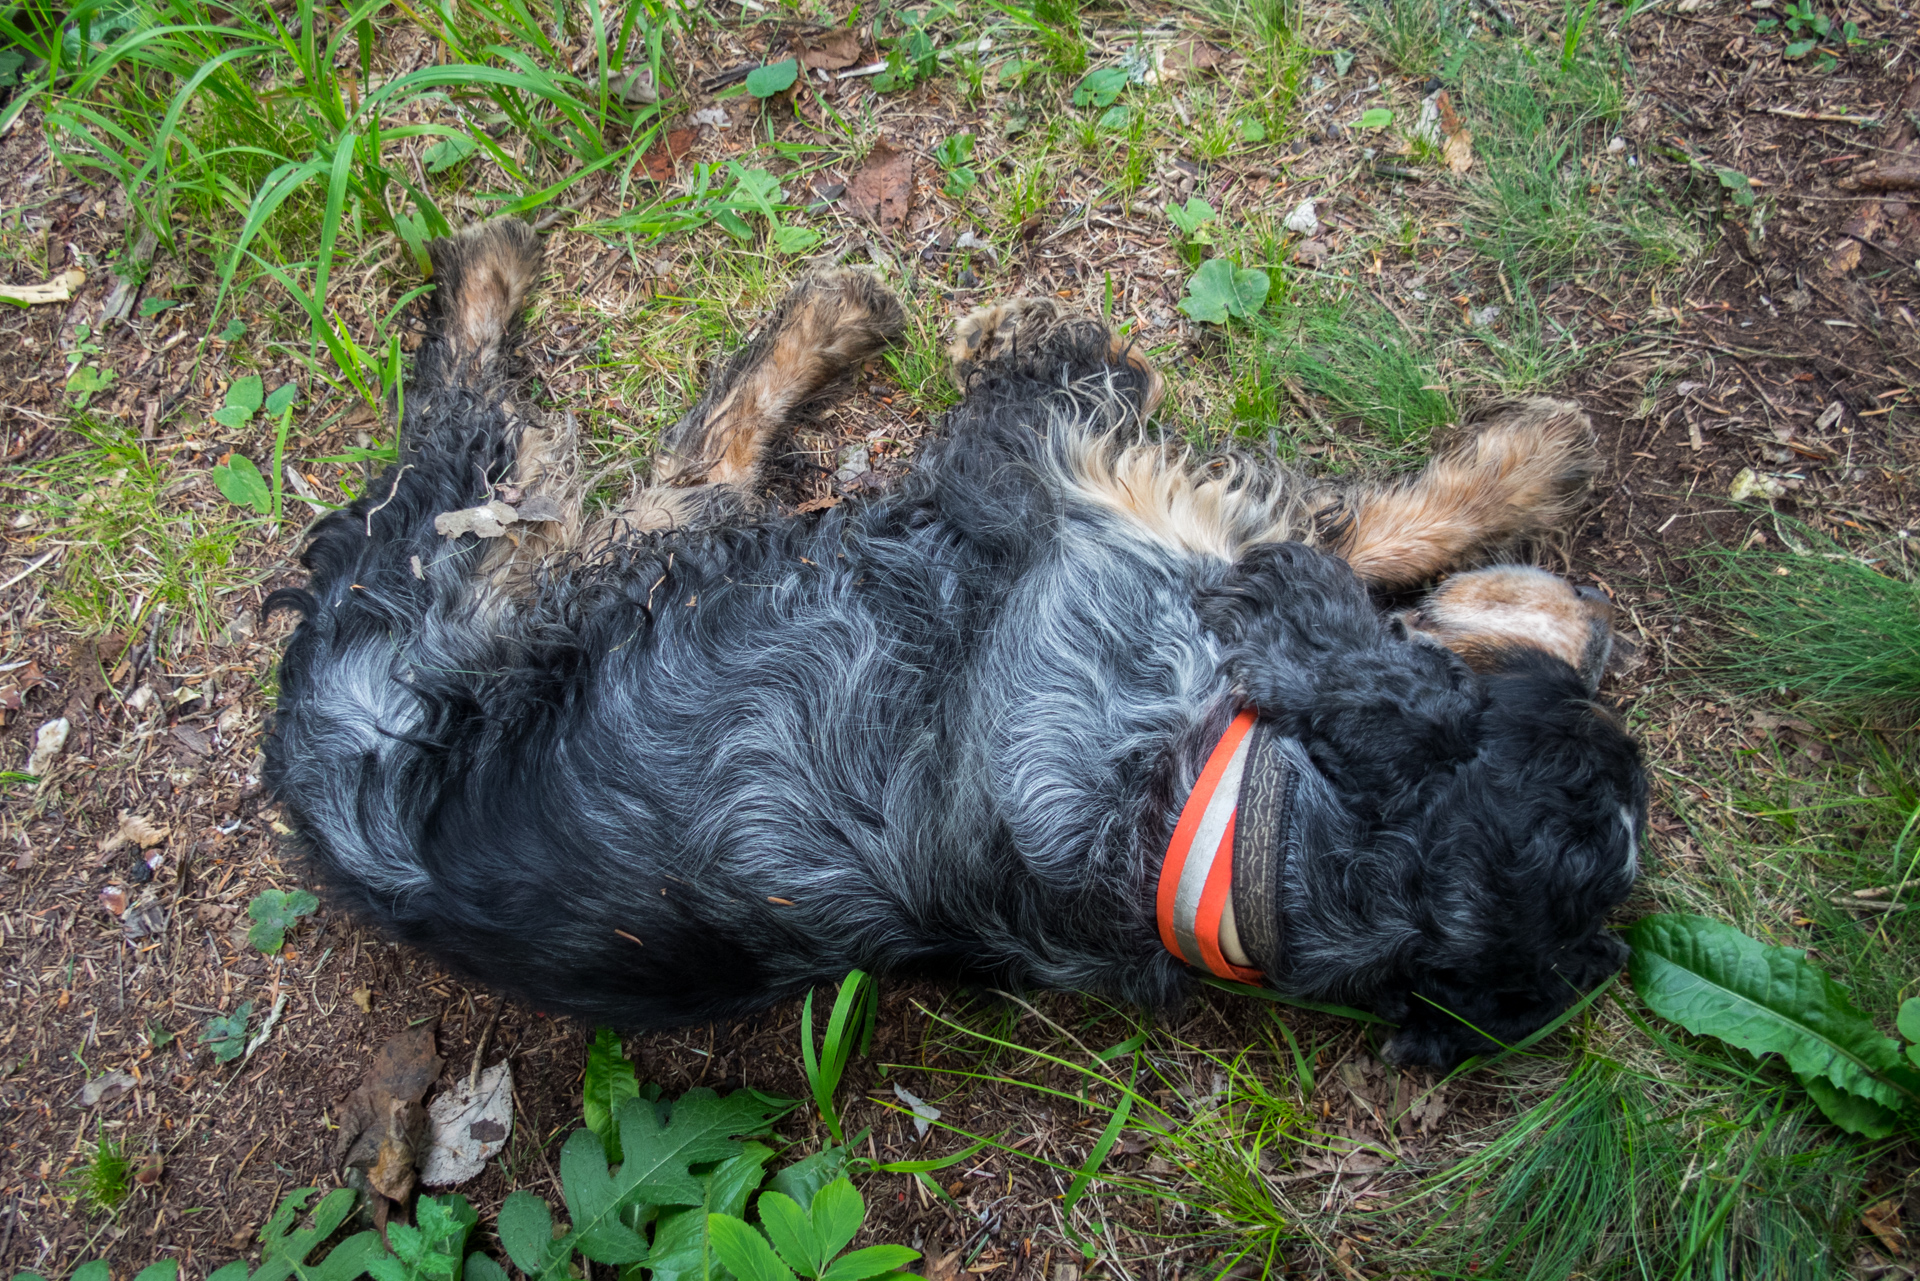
849	1031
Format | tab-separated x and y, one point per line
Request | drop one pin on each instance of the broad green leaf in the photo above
764	82
526	1231
680	1248
789	239
449	151
246	393
837	1212
479	1267
804	1178
1100	88
960	181
153	307
1115	118
870	1262
282	398
1909	1025
955	151
744	1251
1801	48
610	1082
1738	186
235	330
240	480
1191	217
734	225
1252	130
1219	290
790	1229
1375	118
235	1271
97	1270
595	1197
232	417
1850	1112
1715	981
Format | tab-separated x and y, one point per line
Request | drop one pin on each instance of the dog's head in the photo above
1482	815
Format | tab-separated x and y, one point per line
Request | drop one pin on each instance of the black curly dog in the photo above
687	759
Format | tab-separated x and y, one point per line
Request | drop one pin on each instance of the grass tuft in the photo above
1822	624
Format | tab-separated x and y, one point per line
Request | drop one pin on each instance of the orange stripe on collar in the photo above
1196	878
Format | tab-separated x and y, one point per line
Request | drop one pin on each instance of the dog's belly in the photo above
852	750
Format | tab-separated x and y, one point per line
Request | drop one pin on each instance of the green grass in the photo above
103	1178
1357	358
1826	624
132	555
1550	198
1616	1174
293	139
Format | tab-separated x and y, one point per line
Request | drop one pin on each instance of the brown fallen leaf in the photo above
1449	118
148	1169
136	830
882	191
945	1267
1883	1220
13	693
59	289
1457	151
663	158
832	51
1188	58
383	1127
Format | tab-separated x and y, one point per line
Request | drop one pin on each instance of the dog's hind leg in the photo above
1521	473
709	466
458	434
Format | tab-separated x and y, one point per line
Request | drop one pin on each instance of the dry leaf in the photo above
831	52
383	1128
1186	58
1883	1220
1457	150
136	830
489	520
59	289
470	1125
882	191
148	1169
48	742
106	1088
663	158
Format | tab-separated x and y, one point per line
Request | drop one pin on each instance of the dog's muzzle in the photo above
1235	836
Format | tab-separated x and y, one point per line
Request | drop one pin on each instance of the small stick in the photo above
30	568
1829	117
390	496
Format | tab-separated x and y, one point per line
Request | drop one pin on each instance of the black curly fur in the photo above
946	731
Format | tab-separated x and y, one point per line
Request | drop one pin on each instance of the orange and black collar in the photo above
1231	844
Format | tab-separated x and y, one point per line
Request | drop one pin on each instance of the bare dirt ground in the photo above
1795	355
